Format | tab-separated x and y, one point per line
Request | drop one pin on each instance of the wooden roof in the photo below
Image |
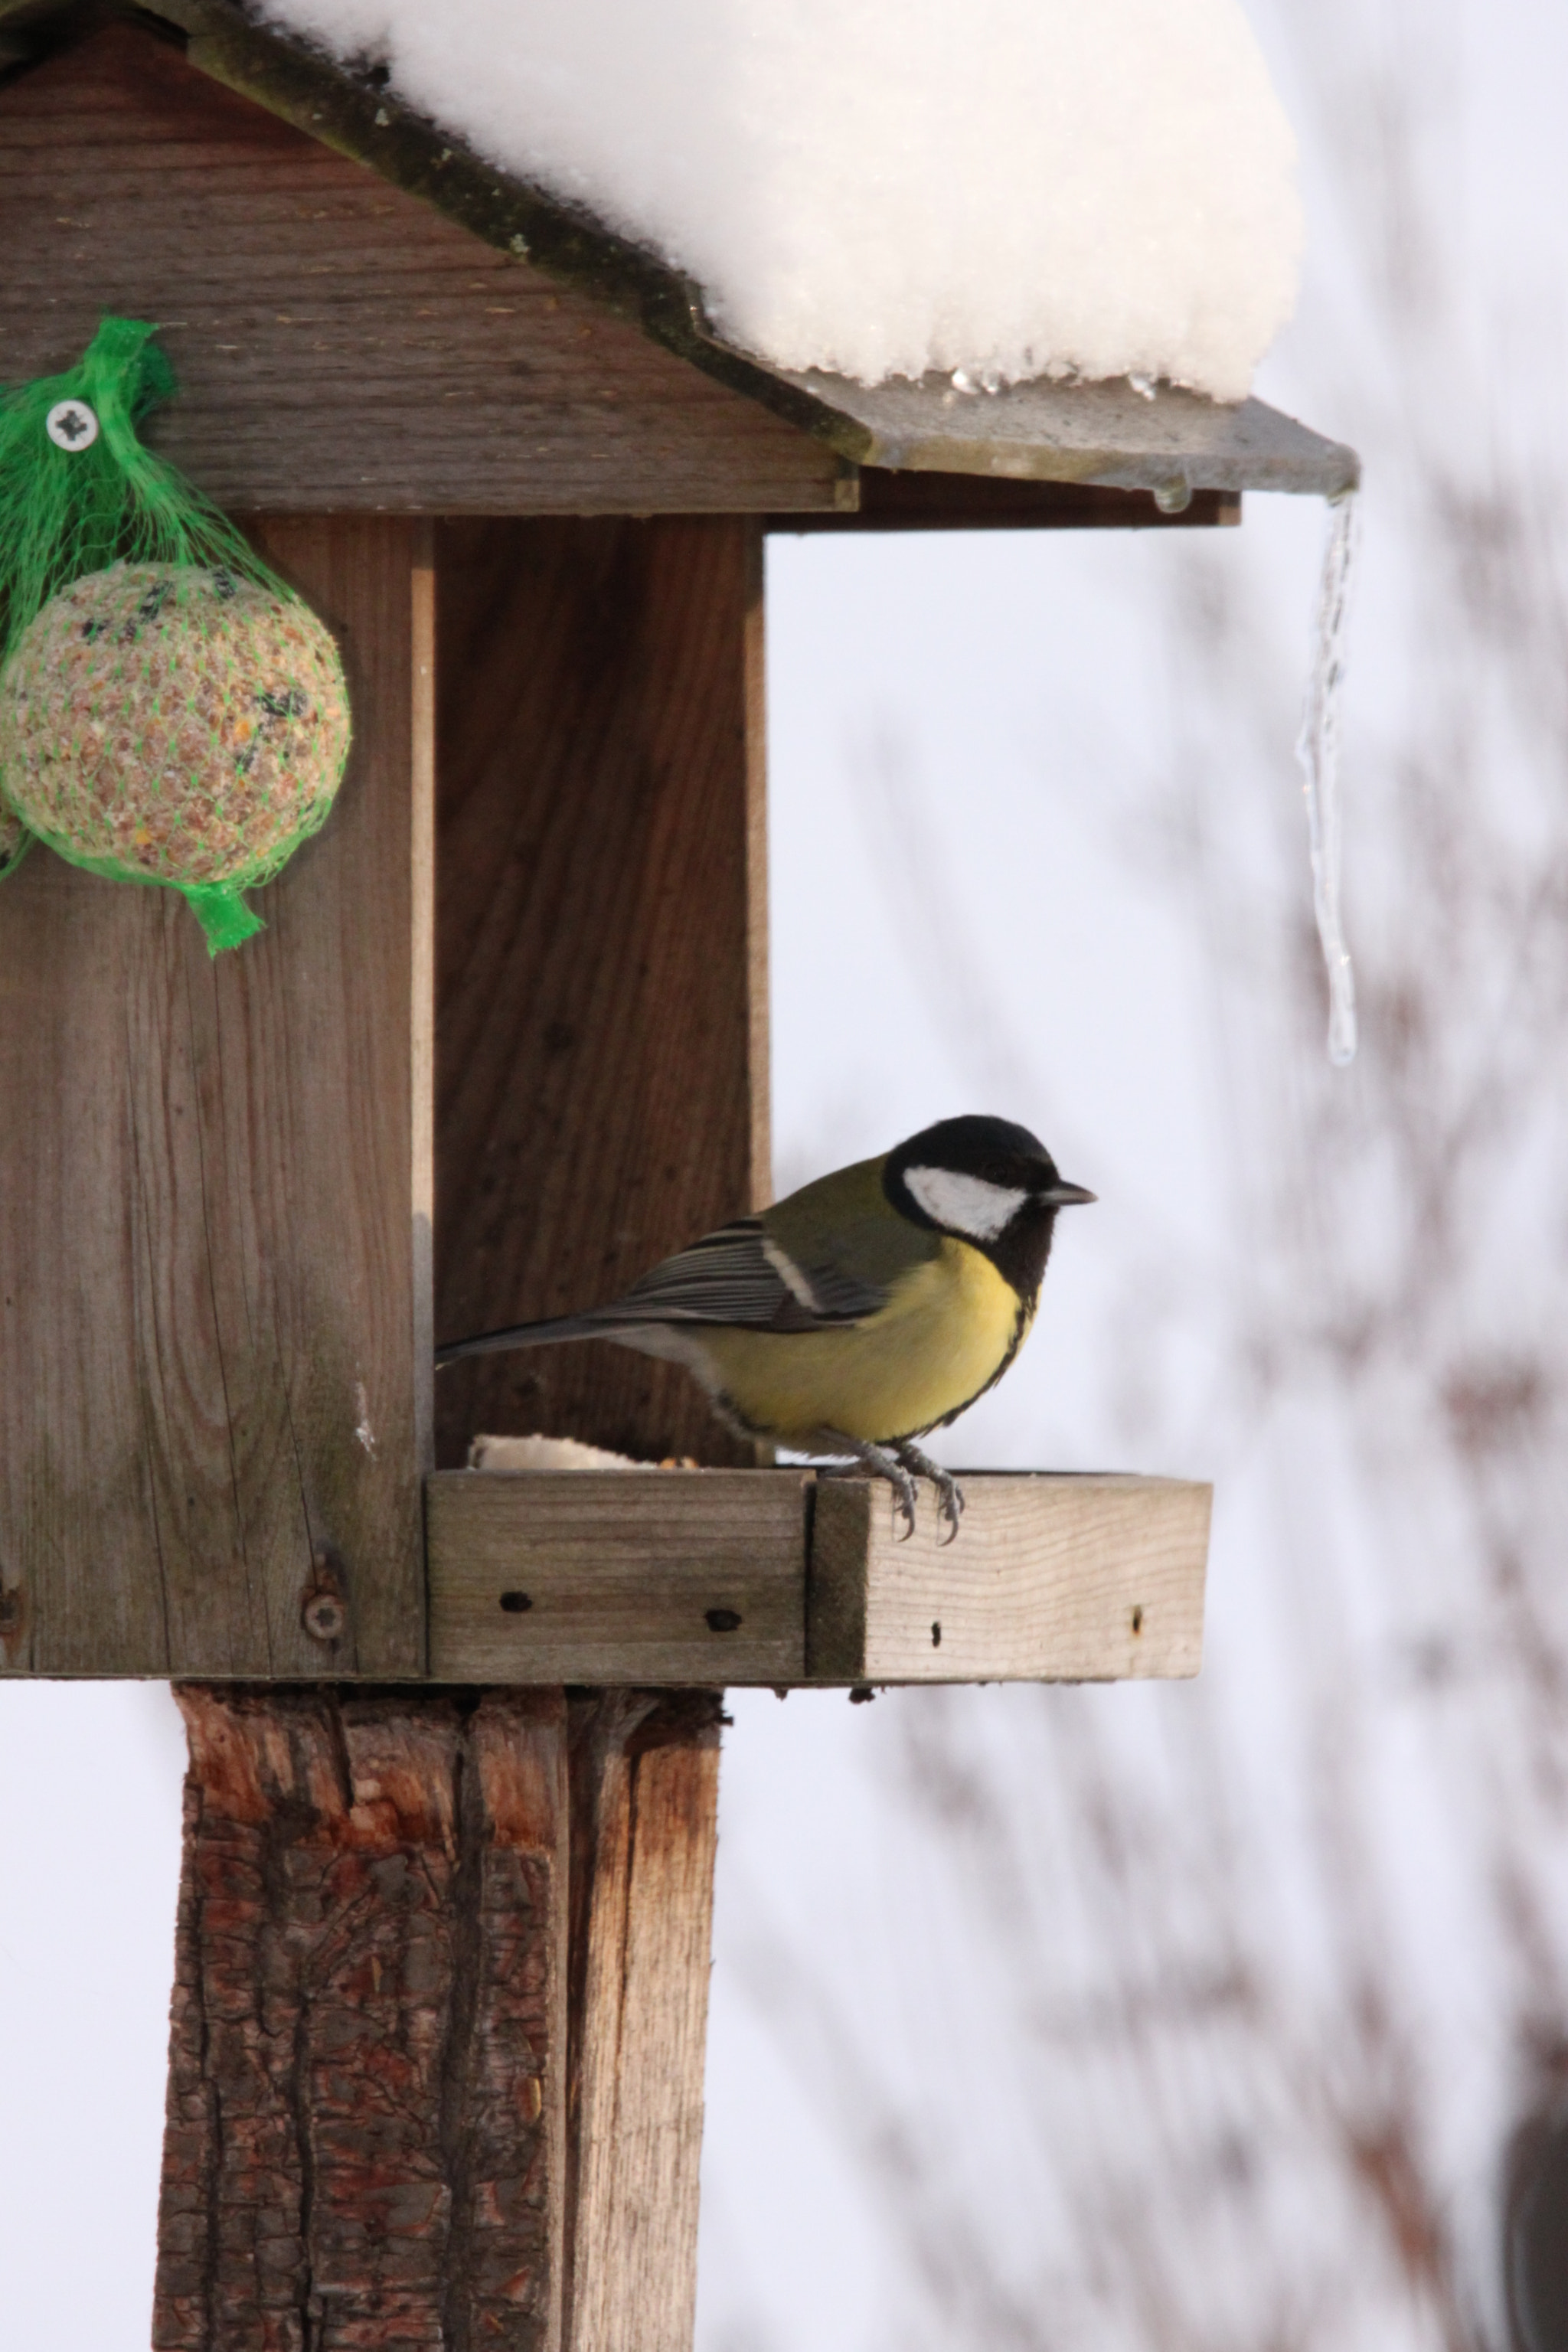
214	173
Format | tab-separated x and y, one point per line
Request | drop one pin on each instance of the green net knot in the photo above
223	915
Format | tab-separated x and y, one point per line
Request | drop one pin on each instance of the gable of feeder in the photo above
1108	435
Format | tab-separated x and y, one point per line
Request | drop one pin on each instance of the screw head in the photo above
324	1617
71	424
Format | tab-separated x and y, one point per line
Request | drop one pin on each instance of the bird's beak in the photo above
1066	1196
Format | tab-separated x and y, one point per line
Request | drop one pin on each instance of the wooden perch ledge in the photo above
779	1577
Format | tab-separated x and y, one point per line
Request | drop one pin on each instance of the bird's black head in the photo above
988	1183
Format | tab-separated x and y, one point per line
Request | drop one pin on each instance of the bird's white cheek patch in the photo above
964	1205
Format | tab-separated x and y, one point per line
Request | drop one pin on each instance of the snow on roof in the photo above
999	189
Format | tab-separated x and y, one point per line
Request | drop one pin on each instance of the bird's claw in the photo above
906	1494
949	1493
901	1469
883	1464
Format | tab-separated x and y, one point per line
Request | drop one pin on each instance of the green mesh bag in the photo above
170	711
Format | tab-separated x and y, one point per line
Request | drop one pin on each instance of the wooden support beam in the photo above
776	1577
215	1399
601	992
891	501
437	2039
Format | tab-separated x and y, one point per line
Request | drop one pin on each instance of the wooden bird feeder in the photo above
436	2058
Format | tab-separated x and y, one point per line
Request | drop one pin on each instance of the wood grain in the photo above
1065	1578
339	344
367	2087
645	1793
601	1057
209	1404
1052	1579
670	1577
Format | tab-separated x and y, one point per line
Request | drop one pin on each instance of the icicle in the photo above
1317	750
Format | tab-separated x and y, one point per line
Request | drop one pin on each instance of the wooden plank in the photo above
645	1792
1050	1578
365	2140
651	1577
601	1057
339	344
919	501
210	1411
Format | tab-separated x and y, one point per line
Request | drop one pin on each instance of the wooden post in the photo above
367	2060
403	2110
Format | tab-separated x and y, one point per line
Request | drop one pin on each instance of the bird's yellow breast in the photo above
948	1327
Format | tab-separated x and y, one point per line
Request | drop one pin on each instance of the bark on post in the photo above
436	2042
367	2086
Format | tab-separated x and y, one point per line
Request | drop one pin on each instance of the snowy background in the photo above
1141	2020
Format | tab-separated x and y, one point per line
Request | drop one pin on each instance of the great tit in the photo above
863	1311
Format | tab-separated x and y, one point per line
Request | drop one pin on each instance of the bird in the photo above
861	1312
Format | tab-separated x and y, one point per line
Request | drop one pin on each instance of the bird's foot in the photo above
949	1493
881	1465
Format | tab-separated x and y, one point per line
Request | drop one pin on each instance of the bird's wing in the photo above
742	1275
773	1273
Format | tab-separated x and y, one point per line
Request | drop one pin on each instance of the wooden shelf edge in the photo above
778	1579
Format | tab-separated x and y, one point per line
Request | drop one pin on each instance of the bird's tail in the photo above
592	1326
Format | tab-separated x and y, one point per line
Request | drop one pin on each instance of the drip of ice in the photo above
1317	750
